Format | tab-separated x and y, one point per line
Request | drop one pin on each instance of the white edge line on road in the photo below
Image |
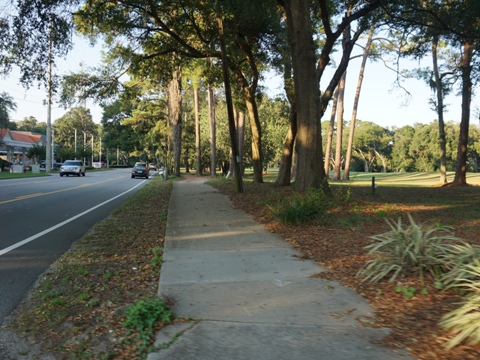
55	227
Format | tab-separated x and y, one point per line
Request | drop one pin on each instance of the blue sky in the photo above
379	102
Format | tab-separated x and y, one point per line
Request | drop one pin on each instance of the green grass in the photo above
7	175
410	179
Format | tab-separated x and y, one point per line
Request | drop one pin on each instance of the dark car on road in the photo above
140	170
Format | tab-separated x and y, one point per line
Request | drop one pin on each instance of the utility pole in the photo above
48	166
53	144
92	152
75	144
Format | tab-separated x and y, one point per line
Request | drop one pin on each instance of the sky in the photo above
31	102
379	101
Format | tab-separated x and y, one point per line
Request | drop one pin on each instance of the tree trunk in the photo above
175	113
331	129
231	166
466	68
228	98
309	105
240	130
241	139
249	87
285	172
353	121
383	160
213	132
255	125
198	151
338	145
441	124
308	144
186	147
365	161
256	128
340	111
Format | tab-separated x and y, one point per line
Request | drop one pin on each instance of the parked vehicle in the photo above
140	170
4	164
72	167
153	166
55	165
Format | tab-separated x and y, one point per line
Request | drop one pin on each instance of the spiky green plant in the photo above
406	250
465	320
456	264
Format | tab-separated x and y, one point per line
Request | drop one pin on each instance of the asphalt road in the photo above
41	217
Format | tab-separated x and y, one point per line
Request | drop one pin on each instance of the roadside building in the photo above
15	144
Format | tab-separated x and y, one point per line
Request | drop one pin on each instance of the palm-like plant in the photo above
457	264
465	321
407	250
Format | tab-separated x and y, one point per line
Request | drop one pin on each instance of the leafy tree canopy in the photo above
6	105
31	30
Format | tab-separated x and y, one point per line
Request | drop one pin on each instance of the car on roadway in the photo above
140	170
153	166
142	163
72	167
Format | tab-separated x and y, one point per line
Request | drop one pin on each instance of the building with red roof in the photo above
14	144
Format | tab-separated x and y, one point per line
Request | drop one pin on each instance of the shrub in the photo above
465	321
407	250
142	317
302	207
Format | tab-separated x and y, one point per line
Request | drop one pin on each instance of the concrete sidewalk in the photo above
247	296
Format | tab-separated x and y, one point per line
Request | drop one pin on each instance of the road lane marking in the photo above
59	225
29	196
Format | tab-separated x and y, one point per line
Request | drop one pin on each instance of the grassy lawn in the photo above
406	179
383	179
